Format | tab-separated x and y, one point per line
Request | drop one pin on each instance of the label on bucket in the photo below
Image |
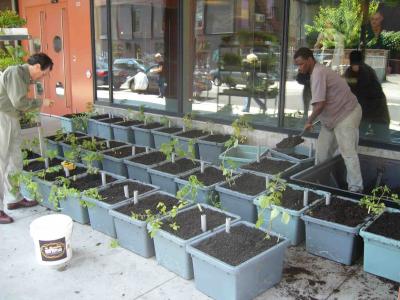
53	250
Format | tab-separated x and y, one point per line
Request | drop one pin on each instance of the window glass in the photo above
333	30
101	51
144	53
236	59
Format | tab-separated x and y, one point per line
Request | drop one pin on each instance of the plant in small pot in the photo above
381	235
104	129
332	228
114	159
188	138
175	232
112	196
131	220
288	201
139	164
164	134
69	193
237	262
164	174
143	135
201	182
11	23
238	192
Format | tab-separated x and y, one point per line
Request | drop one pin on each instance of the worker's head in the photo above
304	59
376	20
356	60
40	65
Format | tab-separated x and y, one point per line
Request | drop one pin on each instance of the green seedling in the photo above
374	202
89	158
114	243
190	190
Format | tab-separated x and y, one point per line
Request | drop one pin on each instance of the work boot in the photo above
21	204
4	218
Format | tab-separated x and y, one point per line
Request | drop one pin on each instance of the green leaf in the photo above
274	213
285	218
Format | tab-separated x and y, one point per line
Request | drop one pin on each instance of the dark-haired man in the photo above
339	112
14	87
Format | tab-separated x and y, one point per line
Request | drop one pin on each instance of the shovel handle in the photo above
304	130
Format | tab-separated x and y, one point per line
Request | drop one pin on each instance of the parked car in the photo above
101	73
123	68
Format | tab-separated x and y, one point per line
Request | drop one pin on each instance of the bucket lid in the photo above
51	223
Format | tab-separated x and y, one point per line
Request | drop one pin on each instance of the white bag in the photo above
141	81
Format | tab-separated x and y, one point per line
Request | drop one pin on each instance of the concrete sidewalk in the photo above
98	271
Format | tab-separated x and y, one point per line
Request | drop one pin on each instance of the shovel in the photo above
287	144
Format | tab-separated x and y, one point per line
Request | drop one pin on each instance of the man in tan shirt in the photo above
14	87
340	115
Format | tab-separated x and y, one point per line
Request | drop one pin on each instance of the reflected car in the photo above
230	78
101	73
123	68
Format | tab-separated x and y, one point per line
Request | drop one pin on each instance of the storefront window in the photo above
333	30
236	59
144	53
101	50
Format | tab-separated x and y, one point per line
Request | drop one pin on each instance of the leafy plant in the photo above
93	145
165	121
92	193
374	202
114	243
390	40
80	121
273	196
190	190
10	19
148	120
188	121
89	158
141	116
168	148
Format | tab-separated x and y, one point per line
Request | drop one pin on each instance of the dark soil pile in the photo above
149	202
124	152
293	199
169	130
238	246
40	165
150	125
30	154
53	176
179	166
112	120
191	134
248	184
217	138
290	142
388	225
189	222
129	123
340	211
210	176
90	181
98	117
268	166
115	193
149	158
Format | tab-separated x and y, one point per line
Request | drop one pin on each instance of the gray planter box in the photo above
204	194
295	229
184	143
333	241
70	124
104	129
171	250
143	136
163	137
166	181
139	171
115	165
132	234
210	151
124	133
219	280
99	216
54	146
92	123
283	174
241	154
238	203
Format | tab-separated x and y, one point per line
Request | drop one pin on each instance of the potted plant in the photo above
269	166
53	142
332	228
112	196
74	122
381	235
89	150
114	159
176	232
142	133
92	123
237	262
11	23
164	134
131	221
139	164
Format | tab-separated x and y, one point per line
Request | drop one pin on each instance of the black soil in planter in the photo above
290	142
98	117
115	193
59	138
238	246
179	166
248	184
293	199
149	202
295	155
129	123
268	166
169	130
30	154
124	152
209	177
112	120
53	176
388	225
189	222
151	125
113	144
90	181
40	165
80	141
191	134
70	116
217	138
150	158
340	211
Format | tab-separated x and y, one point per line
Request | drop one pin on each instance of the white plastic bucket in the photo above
52	239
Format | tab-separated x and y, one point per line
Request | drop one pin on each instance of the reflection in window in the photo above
236	63
333	39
